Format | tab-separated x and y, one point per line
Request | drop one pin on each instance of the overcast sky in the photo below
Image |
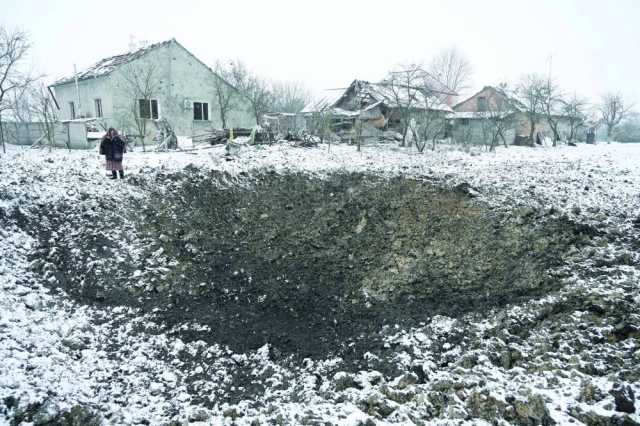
590	46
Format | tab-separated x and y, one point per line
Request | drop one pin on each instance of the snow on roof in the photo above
513	102
345	112
327	99
379	93
397	98
477	115
108	65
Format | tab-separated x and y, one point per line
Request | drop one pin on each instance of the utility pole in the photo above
75	75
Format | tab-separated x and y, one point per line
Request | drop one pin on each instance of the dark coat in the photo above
113	148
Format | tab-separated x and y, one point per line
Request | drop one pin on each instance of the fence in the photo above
25	133
71	134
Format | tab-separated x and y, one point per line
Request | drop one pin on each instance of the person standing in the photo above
113	148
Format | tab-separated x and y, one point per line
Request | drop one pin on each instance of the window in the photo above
201	111
148	108
482	103
98	105
464	122
72	110
154	109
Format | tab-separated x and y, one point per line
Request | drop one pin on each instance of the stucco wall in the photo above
88	91
192	82
472	133
494	101
181	79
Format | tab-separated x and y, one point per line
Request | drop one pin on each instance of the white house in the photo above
159	81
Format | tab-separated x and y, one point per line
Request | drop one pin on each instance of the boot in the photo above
121	174
114	174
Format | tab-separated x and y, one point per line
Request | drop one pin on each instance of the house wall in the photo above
181	80
192	81
494	101
124	99
542	126
472	133
87	92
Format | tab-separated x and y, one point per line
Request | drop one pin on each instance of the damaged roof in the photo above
108	65
416	97
379	93
327	99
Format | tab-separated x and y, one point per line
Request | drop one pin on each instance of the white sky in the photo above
594	45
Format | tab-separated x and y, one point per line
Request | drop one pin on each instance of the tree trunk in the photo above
358	134
405	130
531	131
4	149
223	119
571	133
504	140
416	138
143	133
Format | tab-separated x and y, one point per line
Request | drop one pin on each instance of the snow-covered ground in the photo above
551	359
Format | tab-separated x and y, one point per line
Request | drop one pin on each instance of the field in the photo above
290	285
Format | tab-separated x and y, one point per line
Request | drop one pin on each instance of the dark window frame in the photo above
72	110
483	104
98	107
149	109
200	111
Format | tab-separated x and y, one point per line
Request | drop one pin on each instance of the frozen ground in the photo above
572	356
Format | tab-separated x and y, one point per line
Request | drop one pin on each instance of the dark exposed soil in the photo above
315	267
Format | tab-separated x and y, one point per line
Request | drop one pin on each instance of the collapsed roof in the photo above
361	95
327	100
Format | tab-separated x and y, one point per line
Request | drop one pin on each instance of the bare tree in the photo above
551	103
226	93
430	120
574	109
612	110
14	46
495	126
530	92
140	82
42	106
403	86
321	121
452	69
430	126
357	133
254	89
290	97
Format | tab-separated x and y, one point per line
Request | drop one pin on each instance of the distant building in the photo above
376	104
182	92
470	114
